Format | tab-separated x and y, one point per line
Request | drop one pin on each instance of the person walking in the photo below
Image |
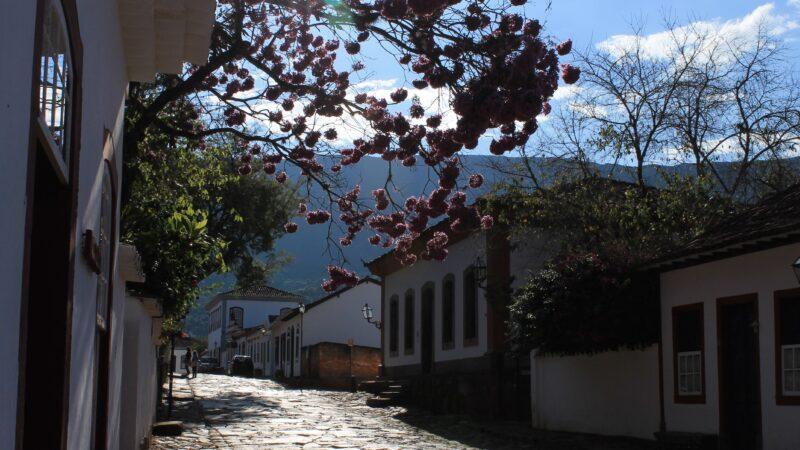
193	363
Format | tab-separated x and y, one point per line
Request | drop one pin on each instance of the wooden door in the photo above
739	403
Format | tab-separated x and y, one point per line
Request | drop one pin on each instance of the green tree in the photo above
191	214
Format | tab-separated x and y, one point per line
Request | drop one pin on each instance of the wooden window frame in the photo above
451	279
409	325
677	397
470	341
394	326
782	399
230	315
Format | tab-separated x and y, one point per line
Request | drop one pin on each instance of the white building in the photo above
726	366
141	338
335	320
730	327
66	66
234	311
444	321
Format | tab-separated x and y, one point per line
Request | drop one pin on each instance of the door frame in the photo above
721	304
36	139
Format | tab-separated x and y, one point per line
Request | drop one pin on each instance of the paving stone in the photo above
231	413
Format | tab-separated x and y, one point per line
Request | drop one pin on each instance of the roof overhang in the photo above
727	251
160	35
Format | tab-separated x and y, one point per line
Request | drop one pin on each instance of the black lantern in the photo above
369	315
479	268
796	267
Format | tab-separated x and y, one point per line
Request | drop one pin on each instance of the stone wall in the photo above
333	365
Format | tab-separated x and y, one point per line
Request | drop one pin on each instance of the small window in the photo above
408	320
237	316
394	323
787	344
448	312
687	329
470	308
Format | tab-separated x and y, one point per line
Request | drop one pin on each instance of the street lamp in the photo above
369	315
796	267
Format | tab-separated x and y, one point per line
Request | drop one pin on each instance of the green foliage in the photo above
584	304
190	215
592	297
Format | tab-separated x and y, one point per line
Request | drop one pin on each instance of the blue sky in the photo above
593	23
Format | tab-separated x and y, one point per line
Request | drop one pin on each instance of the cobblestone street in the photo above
221	412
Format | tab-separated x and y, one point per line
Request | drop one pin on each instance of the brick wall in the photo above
332	365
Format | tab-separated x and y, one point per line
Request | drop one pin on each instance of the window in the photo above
394	323
297	344
688	359
55	84
104	242
787	347
408	322
470	308
237	316
448	312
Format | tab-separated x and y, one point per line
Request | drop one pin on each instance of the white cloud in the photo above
742	30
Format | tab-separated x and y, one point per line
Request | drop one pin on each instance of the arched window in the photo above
56	83
448	311
470	307
394	325
237	316
408	323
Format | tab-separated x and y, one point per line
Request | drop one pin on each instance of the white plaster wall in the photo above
17	22
763	273
255	312
214	338
138	387
104	83
461	255
612	393
340	318
280	327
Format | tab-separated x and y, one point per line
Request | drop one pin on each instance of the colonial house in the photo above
443	322
139	386
730	327
66	67
231	313
328	342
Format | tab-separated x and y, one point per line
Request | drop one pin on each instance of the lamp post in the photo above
369	315
796	268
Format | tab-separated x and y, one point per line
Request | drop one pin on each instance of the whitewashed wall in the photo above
255	312
214	338
763	273
612	393
461	255
339	319
17	23
138	388
104	83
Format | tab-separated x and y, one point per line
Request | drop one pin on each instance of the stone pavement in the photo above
221	412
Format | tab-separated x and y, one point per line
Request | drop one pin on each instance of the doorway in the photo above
46	313
426	332
740	396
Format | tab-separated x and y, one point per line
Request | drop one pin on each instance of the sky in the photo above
604	24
